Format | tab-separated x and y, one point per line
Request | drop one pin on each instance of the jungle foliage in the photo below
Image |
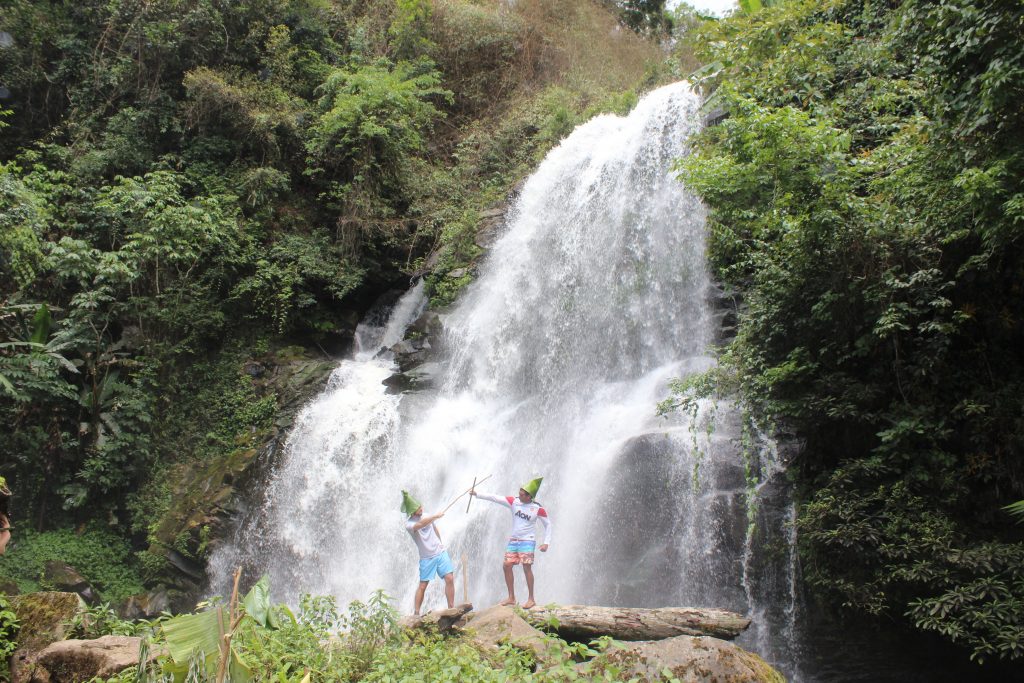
867	206
187	185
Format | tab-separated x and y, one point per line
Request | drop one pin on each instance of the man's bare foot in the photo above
508	601
528	604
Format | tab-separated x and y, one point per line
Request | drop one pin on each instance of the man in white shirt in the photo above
526	513
434	559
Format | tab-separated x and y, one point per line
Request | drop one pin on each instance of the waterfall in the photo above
551	364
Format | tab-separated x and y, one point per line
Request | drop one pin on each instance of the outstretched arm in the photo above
500	500
425	520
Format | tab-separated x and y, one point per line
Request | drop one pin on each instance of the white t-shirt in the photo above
524	517
426	538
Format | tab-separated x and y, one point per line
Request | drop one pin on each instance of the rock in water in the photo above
691	659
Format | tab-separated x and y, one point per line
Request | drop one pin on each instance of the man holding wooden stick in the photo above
526	513
434	559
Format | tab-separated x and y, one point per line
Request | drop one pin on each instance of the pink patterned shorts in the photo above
519	552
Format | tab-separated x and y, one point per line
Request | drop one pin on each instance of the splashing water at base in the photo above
552	364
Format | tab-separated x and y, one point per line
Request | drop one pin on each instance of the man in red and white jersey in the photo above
526	513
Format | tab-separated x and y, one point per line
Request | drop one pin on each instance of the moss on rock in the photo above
42	617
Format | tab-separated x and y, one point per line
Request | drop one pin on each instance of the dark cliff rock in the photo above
203	492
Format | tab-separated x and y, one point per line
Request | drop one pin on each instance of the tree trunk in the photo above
584	622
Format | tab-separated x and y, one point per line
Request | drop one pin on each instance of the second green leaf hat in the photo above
409	504
533	486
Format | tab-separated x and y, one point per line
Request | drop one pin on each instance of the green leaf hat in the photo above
533	486
409	504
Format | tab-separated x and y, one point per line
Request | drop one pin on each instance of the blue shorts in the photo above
439	565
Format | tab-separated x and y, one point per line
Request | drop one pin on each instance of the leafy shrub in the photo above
95	622
864	203
8	634
101	557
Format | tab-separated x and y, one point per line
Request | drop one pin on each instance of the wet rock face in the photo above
694	660
415	354
492	224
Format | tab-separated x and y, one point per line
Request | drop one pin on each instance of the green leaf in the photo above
257	603
41	325
1016	509
190	633
237	670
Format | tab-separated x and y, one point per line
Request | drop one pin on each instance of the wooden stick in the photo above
233	619
464	493
470	501
465	580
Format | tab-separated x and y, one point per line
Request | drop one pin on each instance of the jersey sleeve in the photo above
500	500
542	517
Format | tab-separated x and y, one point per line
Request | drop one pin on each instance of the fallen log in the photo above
582	623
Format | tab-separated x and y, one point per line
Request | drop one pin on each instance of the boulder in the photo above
693	659
66	579
499	625
441	620
74	661
42	617
413	351
146	605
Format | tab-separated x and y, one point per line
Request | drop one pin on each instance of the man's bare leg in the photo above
528	571
510	583
449	588
420	590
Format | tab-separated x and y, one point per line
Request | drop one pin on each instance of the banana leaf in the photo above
201	633
188	633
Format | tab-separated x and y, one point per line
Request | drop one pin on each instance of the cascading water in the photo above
551	365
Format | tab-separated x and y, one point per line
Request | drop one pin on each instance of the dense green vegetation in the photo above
192	187
319	643
867	196
103	556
